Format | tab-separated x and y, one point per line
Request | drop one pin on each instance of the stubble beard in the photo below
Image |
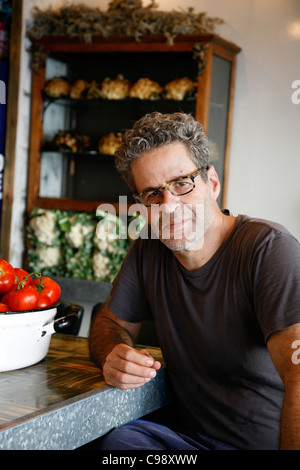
190	235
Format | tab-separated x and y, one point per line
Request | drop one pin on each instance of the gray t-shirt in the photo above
213	325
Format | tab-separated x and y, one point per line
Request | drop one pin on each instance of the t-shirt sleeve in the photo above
128	300
277	284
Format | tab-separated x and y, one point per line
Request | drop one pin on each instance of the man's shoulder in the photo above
255	233
263	226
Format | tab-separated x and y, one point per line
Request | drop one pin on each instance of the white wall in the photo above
264	178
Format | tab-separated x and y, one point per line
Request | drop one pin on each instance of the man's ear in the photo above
213	182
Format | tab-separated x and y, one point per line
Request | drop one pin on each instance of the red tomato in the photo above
47	286
4	307
7	277
23	299
43	301
20	274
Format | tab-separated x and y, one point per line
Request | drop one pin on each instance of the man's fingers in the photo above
123	380
137	356
151	362
126	367
133	368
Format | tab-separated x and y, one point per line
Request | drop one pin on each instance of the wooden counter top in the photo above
63	402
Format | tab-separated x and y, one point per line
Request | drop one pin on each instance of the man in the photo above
224	293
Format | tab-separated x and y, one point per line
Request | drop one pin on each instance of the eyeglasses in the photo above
178	187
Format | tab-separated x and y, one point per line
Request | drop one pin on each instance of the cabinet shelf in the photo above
69	153
131	106
101	102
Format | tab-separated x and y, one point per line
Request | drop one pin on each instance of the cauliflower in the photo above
104	244
100	265
108	230
49	256
78	234
43	226
79	245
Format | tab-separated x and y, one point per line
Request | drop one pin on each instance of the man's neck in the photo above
195	258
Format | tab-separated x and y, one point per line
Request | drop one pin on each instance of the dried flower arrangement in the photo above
123	17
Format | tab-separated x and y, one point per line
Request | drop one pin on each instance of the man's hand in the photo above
126	367
112	347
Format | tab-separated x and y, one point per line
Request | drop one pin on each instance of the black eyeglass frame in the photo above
192	176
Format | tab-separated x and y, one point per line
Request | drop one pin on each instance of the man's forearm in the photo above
290	421
104	336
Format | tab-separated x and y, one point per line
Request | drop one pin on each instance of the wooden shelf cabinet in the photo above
82	180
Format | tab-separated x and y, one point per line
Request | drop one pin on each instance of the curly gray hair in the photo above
156	130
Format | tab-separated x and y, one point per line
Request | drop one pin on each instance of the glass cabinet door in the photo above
218	115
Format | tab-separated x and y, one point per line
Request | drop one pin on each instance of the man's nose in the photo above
169	202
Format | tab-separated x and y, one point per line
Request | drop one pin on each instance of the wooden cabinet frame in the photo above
214	45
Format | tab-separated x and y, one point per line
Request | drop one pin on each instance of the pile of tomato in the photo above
20	290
